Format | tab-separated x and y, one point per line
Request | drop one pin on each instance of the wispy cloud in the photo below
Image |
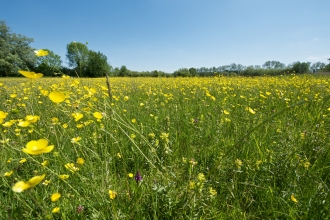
316	39
318	58
313	58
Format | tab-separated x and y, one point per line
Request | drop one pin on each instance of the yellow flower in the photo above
75	140
238	163
55	197
250	110
193	162
133	120
226	112
112	194
80	161
3	115
307	164
45	163
22	161
77	116
8	173
31	75
293	199
41	53
119	155
130	175
35	180
227	120
46	182
54	121
192	185
126	98
23	124
201	177
71	167
21	185
79	125
44	92
13	96
63	176
98	115
212	191
32	118
56	210
56	97
7	124
38	147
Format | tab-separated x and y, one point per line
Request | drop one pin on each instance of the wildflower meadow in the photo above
165	148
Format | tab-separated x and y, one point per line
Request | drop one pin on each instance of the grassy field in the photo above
165	148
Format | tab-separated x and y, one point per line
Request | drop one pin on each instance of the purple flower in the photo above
138	177
80	209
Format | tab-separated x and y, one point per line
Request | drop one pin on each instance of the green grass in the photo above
254	163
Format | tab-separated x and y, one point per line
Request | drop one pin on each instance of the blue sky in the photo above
170	34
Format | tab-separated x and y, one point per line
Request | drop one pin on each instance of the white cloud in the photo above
313	58
318	58
316	39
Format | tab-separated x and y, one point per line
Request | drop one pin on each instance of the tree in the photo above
97	65
50	64
123	71
301	67
240	68
115	71
273	65
77	55
156	73
317	66
15	52
183	72
193	71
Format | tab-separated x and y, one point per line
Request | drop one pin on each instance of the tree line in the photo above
17	54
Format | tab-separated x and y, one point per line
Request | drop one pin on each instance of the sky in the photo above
167	35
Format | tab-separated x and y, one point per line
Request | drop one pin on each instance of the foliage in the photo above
77	55
182	72
315	67
123	71
326	69
273	65
15	52
193	72
49	65
299	67
97	65
86	63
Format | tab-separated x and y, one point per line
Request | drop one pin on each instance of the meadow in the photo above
165	148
